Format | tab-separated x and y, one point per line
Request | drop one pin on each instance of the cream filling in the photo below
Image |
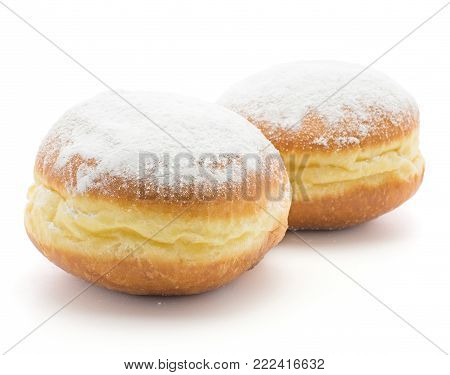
94	225
320	173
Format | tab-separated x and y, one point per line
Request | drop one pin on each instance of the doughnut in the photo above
156	194
350	141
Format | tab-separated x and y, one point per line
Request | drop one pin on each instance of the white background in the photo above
294	304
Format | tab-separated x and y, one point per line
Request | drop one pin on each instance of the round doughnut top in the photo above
325	105
109	143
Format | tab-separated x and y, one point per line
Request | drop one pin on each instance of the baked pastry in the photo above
157	199
350	142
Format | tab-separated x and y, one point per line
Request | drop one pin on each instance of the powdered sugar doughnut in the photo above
349	140
153	193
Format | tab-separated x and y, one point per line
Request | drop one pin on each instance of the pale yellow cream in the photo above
320	174
100	227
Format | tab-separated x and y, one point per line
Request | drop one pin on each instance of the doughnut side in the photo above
340	189
158	249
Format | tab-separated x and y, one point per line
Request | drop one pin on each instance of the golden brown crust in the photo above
303	138
355	206
127	190
157	276
106	149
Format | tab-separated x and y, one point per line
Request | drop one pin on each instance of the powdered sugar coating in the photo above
285	95
108	136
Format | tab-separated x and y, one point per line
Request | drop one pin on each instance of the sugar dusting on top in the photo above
112	139
285	94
